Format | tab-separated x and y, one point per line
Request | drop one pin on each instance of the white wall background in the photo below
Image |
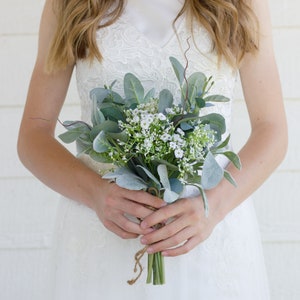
27	207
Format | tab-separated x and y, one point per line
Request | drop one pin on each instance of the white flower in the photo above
135	119
165	137
169	111
161	117
180	131
178	153
173	145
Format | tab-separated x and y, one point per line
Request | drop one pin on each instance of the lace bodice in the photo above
126	49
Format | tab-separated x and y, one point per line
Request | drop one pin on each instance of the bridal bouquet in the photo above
155	145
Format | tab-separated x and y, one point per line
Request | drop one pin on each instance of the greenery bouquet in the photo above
155	145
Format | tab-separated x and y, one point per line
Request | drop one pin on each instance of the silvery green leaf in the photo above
83	145
150	175
186	126
169	165
216	122
212	173
178	69
234	158
126	179
100	143
163	176
76	126
112	112
117	98
99	157
194	85
176	185
133	88
216	98
224	143
120	136
204	197
228	176
170	196
70	136
165	100
97	115
99	94
149	95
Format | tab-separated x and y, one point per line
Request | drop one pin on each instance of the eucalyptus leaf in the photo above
165	100
216	98
100	143
97	115
234	158
194	85
99	94
212	172
216	122
178	69
133	88
70	136
99	157
228	177
112	112
186	126
120	136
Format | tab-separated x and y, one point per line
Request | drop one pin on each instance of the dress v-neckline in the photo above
153	21
170	37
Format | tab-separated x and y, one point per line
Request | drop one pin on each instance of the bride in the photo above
216	257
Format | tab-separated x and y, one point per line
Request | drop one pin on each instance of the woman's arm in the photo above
49	161
261	154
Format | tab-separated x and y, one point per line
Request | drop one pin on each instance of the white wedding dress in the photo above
90	262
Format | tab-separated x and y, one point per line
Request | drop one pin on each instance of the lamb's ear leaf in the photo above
212	172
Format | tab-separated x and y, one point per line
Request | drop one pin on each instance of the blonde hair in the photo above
232	25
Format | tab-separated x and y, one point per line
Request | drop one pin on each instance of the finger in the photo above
165	232
145	198
119	231
134	209
128	225
184	248
161	215
178	239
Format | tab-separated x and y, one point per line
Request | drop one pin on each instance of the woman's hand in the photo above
117	203
188	227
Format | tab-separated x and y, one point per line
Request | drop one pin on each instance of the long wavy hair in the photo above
232	25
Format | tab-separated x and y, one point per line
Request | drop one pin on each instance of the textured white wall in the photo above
27	207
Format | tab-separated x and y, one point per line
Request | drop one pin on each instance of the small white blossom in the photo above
165	137
180	131
178	153
161	117
173	145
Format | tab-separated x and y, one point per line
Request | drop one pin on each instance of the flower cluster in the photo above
153	136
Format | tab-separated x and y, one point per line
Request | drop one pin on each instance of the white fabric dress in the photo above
92	263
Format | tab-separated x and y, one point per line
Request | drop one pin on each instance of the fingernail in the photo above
144	225
143	241
150	250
